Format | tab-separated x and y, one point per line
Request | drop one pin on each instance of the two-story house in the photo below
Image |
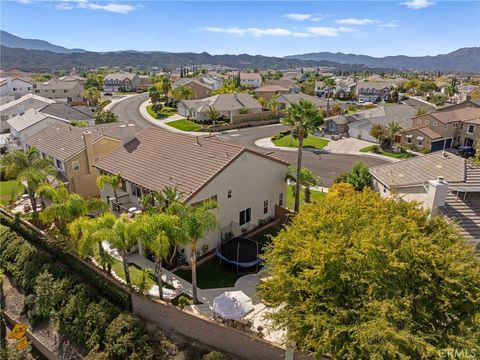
200	168
120	82
445	128
373	91
73	151
201	90
63	91
250	80
15	86
19	106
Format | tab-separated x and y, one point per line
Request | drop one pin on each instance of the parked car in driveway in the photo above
466	151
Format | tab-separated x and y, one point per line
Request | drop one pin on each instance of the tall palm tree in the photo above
29	168
304	118
195	222
92	94
66	207
213	114
113	180
166	86
158	232
273	105
307	180
153	94
393	128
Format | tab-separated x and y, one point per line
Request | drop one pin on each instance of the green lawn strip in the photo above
211	274
184	125
315	196
312	142
392	154
162	114
151	112
10	190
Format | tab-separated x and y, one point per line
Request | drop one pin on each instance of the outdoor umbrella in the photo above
232	305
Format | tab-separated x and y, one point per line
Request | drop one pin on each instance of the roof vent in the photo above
445	154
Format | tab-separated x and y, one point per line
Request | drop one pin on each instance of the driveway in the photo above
327	166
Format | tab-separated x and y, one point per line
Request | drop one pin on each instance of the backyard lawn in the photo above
136	275
184	125
211	274
165	112
392	154
10	190
312	142
315	196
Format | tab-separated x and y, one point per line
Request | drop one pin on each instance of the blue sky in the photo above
376	28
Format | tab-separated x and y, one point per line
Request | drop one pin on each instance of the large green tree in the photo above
361	277
183	93
303	118
29	168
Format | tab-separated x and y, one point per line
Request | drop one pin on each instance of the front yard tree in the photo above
114	181
304	118
183	93
359	177
307	180
213	114
393	128
195	222
29	168
153	94
92	94
361	277
105	117
379	132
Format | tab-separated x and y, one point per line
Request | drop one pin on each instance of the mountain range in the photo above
39	55
465	59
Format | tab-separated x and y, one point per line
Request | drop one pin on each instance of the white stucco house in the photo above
16	87
251	80
20	106
200	168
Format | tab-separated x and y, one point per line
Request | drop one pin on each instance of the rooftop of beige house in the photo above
56	85
26	97
455	115
419	170
119	76
377	85
157	158
223	102
270	88
428	132
250	76
61	141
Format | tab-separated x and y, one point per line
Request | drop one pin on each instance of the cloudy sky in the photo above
275	28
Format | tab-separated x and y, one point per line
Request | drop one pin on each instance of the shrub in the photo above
215	355
105	117
376	149
425	151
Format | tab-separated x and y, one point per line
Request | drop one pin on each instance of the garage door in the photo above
438	145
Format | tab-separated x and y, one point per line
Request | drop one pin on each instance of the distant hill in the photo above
10	40
41	60
465	59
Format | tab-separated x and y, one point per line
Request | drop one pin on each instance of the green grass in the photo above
212	275
10	190
184	125
392	154
135	275
122	93
162	114
315	196
311	142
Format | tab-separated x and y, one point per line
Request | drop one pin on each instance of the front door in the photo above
448	143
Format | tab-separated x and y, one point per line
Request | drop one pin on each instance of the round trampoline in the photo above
240	251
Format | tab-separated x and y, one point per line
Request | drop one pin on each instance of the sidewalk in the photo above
267	143
162	123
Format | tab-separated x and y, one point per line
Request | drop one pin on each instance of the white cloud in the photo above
24	1
354	21
417	4
64	6
390	24
323	31
110	7
299	17
346	29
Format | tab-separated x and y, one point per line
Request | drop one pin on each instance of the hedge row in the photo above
84	317
115	293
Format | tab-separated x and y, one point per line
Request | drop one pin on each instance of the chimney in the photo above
436	195
89	149
127	133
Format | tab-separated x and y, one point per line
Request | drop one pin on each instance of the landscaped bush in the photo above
215	355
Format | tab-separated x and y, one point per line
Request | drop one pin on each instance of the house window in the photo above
435	123
54	91
461	126
471	129
409	139
136	190
265	206
446	126
229	194
427	122
59	164
419	140
14	89
280	199
419	121
65	91
455	125
75	165
245	216
37	91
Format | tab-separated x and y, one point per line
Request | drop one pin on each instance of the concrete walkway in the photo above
162	123
346	148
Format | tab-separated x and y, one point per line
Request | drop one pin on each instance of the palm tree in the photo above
273	105
262	101
304	118
66	207
92	94
393	128
183	93
165	84
158	232
153	94
113	180
307	180
195	222
29	168
213	114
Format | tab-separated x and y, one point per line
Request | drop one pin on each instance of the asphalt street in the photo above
326	166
